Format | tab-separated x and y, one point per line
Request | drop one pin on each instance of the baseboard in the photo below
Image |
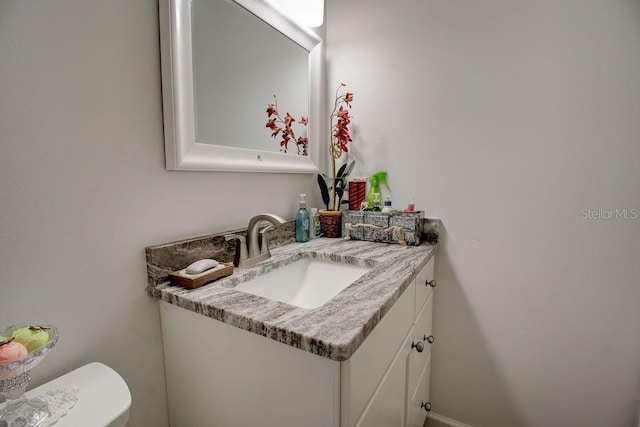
446	420
453	423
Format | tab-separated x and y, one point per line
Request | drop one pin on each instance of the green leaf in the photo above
349	169
341	170
324	191
339	194
329	180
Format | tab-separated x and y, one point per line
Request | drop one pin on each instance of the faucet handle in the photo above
241	255
264	245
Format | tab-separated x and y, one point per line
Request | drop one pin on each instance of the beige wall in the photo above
506	119
83	186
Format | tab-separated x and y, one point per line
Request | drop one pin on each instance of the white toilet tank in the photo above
103	400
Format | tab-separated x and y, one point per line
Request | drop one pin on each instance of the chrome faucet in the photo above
255	247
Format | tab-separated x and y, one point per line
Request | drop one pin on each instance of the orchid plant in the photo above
340	137
284	128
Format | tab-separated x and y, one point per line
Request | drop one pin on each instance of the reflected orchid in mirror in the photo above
284	128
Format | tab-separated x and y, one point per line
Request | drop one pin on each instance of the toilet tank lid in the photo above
104	398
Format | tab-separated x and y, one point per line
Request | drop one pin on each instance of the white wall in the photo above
83	186
506	119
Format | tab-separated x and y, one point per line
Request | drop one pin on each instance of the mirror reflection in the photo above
239	63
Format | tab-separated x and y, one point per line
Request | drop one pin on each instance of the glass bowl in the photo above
14	379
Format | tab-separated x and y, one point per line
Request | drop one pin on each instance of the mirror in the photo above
222	62
240	74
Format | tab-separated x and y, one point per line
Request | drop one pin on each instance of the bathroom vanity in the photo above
362	358
247	350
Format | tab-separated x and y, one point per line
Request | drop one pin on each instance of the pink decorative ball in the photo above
11	351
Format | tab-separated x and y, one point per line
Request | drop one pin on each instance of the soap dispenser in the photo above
302	221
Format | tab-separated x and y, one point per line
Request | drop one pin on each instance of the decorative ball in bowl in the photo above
22	347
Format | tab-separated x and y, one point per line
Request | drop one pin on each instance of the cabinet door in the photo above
387	406
420	404
362	374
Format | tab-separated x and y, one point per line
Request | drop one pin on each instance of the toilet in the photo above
103	400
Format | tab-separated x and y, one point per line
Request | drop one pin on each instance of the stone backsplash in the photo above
169	257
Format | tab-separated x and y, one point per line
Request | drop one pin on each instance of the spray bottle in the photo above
374	181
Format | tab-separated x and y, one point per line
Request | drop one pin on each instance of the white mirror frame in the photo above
181	149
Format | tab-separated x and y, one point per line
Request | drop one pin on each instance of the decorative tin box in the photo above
404	228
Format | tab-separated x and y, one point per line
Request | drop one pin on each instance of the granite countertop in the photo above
334	330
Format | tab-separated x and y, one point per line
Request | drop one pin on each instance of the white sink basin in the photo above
306	283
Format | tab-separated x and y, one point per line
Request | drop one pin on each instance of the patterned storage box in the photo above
394	227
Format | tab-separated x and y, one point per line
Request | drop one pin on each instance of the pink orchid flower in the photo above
348	98
288	120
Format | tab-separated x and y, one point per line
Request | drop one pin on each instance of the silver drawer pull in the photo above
419	346
431	283
426	406
430	339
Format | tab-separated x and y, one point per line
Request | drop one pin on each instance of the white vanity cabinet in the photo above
220	375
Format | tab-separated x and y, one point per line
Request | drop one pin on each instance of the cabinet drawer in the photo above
420	405
423	289
421	333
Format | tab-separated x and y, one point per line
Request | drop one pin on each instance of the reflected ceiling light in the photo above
306	12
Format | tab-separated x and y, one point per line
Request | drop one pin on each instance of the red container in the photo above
357	190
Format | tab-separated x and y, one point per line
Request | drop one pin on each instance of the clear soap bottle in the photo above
387	205
315	224
302	221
